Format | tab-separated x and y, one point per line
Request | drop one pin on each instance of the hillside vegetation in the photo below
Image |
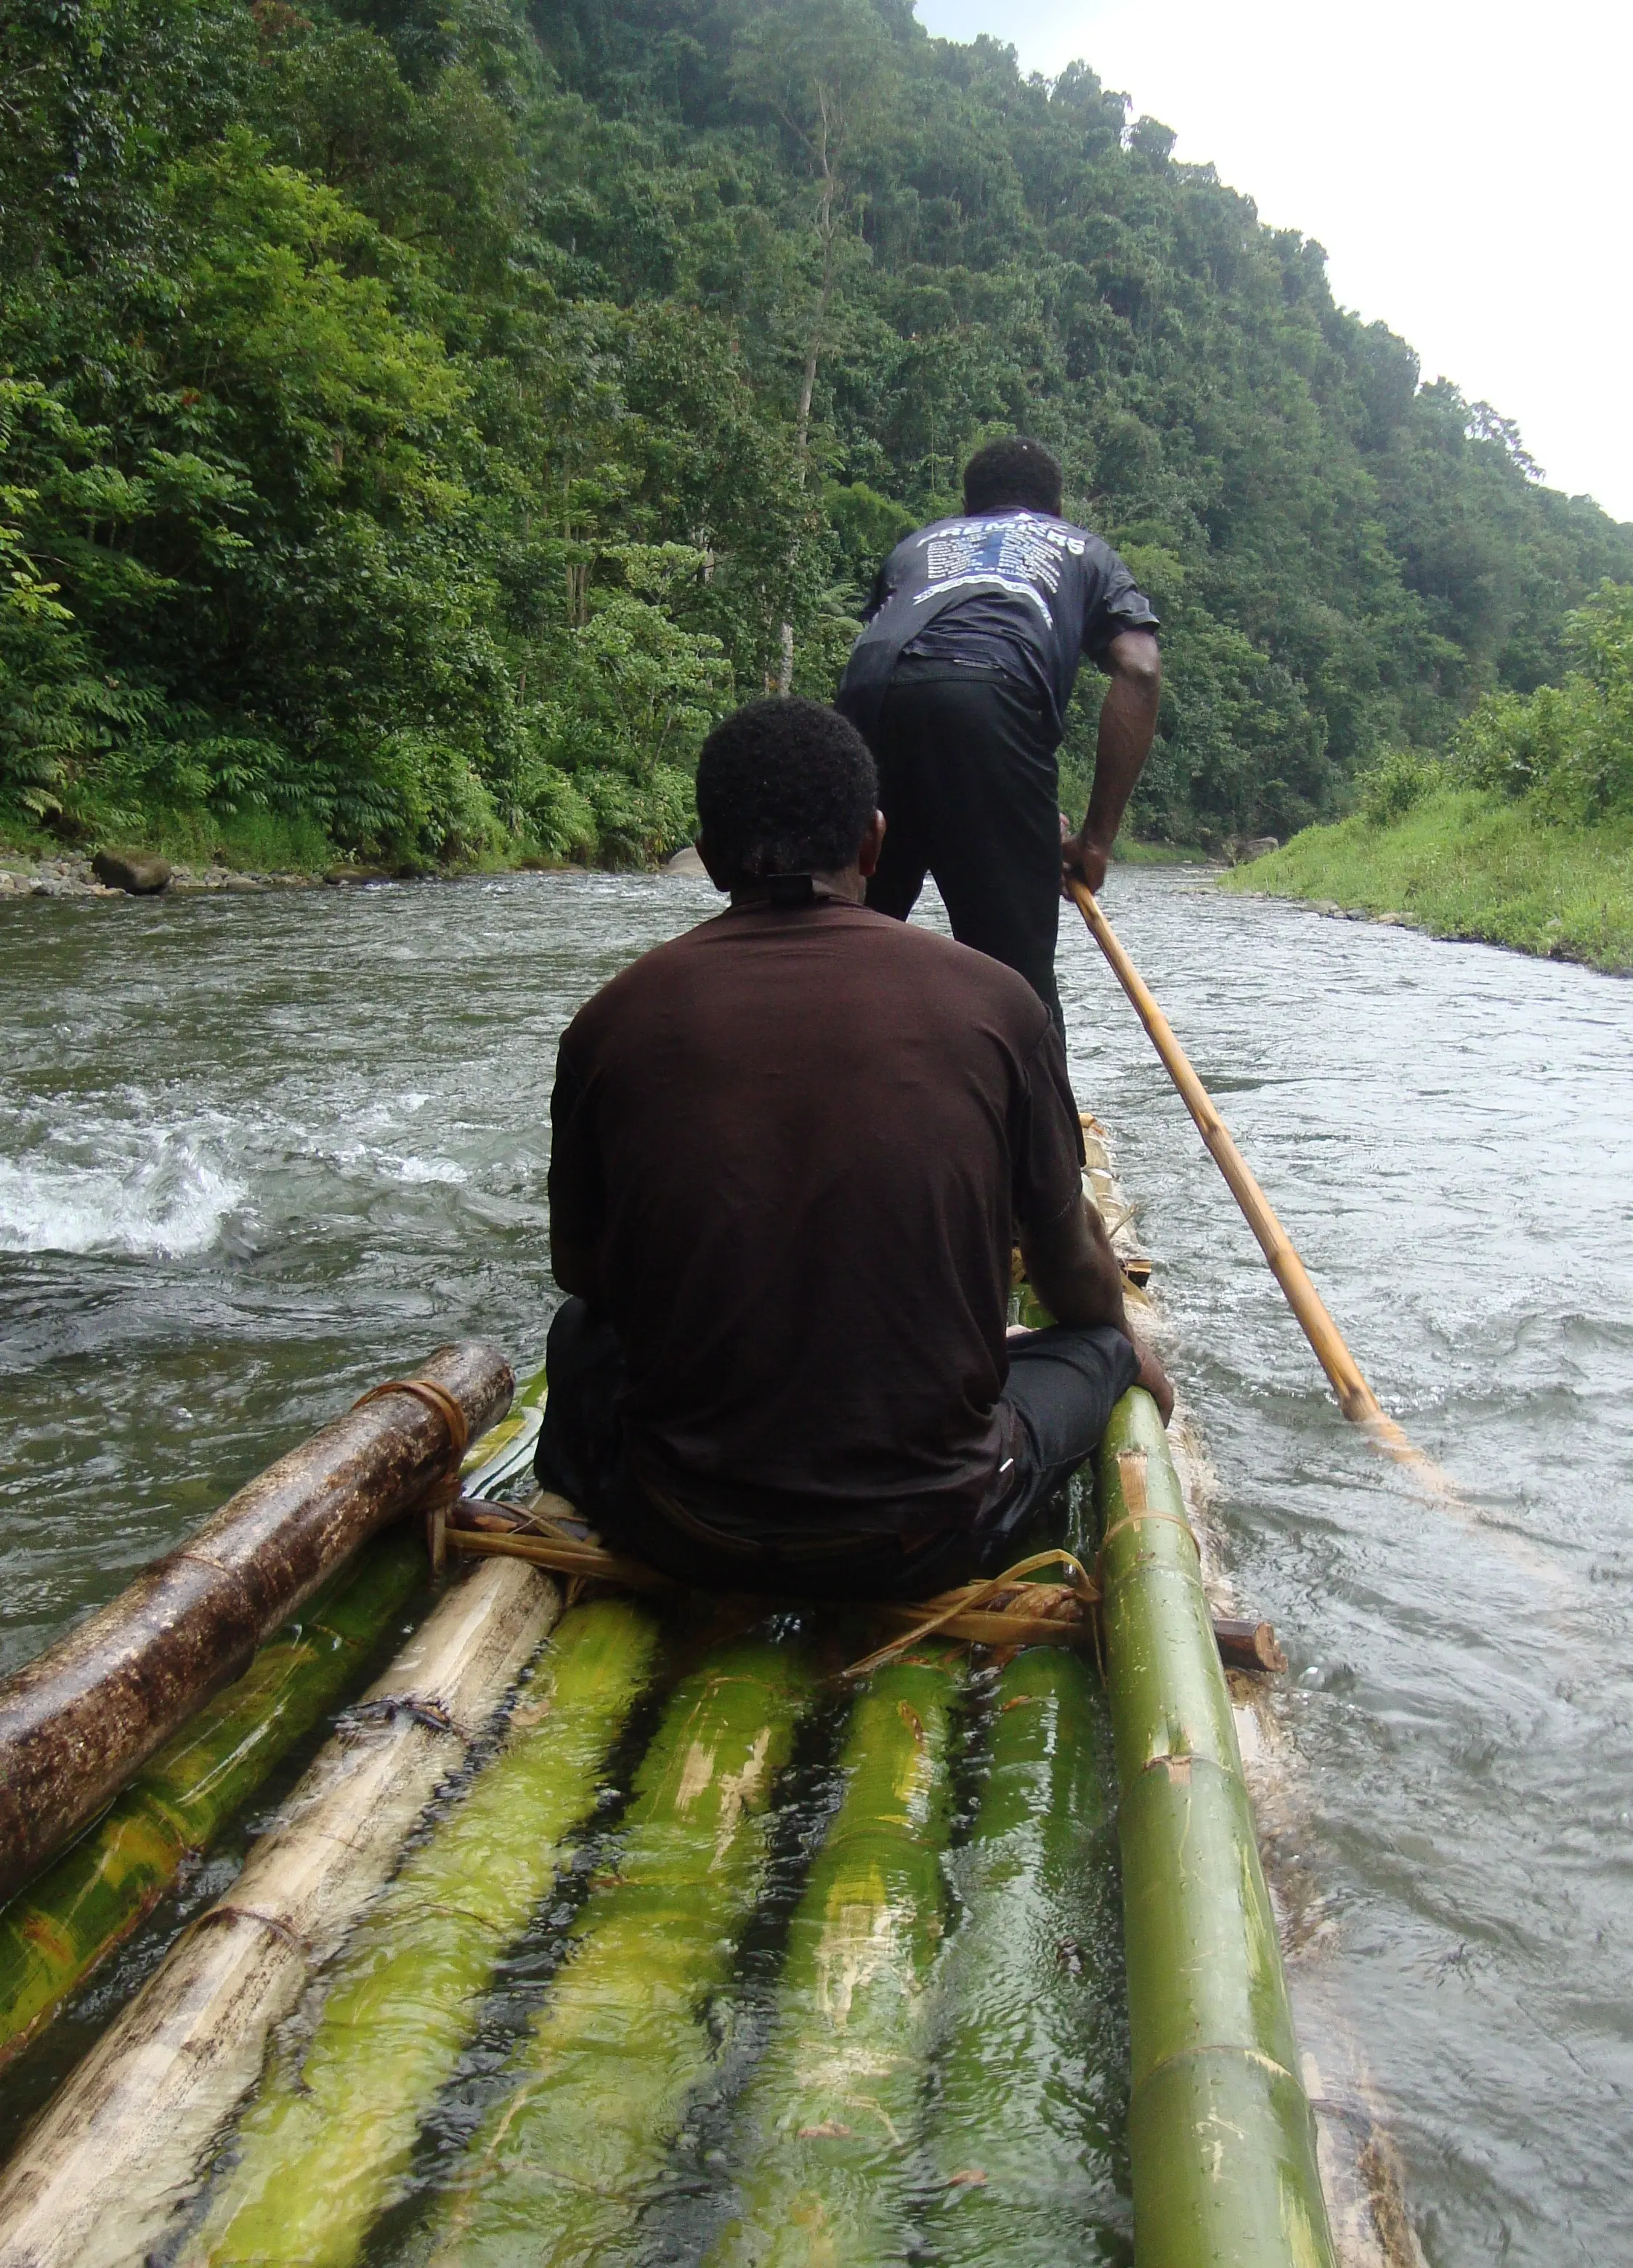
417	421
1521	832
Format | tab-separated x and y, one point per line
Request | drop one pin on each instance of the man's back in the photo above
799	1140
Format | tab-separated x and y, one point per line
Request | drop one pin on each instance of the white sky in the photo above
1469	170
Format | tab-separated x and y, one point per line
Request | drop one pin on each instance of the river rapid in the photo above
258	1151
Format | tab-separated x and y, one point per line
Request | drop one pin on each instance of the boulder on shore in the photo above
144	873
686	862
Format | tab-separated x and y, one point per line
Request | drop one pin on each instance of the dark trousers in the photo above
970	791
1062	1385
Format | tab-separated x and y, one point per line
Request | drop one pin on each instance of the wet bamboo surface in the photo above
120	2150
906	2039
1221	2137
326	2141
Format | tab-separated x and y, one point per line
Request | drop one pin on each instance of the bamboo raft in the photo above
606	1925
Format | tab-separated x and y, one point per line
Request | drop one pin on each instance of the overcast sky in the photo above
1469	170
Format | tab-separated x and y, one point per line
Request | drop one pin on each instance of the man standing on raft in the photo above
791	1151
960	685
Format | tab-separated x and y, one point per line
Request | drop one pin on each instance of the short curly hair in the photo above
1012	472
785	786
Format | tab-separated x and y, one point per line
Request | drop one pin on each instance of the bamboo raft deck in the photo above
606	1927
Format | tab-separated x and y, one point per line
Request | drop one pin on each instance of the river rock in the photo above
143	873
1255	846
686	862
338	875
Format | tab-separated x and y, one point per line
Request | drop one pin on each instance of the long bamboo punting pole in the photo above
53	1934
76	1723
826	2123
1355	1399
1222	2143
98	2178
331	2132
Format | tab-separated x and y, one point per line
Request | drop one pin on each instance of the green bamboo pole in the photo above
333	2129
826	2122
1221	2139
56	1932
559	2170
1025	2130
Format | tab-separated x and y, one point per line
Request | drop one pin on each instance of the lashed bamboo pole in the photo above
97	2179
1221	2140
1024	2126
53	1933
559	2171
826	2123
332	2130
1355	1396
76	1724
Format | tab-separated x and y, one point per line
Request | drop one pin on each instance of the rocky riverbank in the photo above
69	877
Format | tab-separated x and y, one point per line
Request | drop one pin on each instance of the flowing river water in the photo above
256	1153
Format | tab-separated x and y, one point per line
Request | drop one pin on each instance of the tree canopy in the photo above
423	420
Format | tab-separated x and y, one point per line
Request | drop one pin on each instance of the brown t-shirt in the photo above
798	1141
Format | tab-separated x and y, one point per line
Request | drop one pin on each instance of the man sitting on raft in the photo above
790	1151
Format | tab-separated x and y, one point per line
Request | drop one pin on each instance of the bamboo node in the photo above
389	1708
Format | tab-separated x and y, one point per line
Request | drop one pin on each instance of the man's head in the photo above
786	787
1012	472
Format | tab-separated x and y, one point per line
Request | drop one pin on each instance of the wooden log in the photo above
1221	2139
55	1933
121	2147
1248	1644
331	2132
76	1723
826	2122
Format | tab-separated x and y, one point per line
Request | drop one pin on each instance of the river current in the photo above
256	1153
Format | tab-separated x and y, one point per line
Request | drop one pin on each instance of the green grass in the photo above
1466	864
1126	853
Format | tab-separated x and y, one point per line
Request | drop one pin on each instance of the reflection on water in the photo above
255	1152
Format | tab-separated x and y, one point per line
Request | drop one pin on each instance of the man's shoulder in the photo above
652	973
925	956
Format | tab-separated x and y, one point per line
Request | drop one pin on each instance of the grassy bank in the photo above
1468	863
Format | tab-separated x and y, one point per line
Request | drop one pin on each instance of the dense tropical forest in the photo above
419	418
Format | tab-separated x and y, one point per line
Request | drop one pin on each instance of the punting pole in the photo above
1355	1399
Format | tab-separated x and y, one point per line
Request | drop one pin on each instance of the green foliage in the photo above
1398	783
1568	747
418	423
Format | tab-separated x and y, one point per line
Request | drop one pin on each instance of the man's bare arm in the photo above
1074	1271
1127	722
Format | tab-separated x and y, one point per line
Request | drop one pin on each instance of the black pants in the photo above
970	790
1062	1385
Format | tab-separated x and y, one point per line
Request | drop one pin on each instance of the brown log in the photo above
1248	1644
78	1722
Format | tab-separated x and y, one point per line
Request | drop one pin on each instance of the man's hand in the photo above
1155	1379
1081	860
1127	722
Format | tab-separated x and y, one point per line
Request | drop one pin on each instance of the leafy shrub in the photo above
1568	746
1397	783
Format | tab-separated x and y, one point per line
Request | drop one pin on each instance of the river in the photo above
256	1153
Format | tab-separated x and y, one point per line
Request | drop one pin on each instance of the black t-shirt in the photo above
799	1142
1017	590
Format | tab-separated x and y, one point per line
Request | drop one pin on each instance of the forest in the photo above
419	419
